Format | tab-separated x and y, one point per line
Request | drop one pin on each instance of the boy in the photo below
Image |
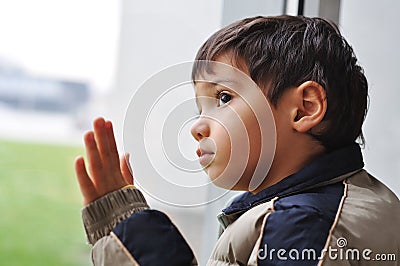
316	205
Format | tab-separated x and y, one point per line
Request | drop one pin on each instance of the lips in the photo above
205	157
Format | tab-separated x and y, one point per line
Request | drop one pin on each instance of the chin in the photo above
229	186
226	180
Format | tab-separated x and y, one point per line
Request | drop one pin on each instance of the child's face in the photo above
228	129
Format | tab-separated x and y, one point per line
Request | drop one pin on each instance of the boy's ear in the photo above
310	106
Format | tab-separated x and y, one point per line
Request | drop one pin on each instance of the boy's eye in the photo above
223	98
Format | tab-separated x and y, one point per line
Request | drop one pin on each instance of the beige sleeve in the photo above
110	251
101	216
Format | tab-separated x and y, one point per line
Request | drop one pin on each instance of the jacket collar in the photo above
323	169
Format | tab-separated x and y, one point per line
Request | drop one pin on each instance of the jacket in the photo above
331	212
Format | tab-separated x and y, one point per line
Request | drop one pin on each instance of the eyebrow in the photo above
217	82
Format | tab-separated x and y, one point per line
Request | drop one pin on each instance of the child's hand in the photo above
107	171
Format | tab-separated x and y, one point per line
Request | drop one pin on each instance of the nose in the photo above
200	129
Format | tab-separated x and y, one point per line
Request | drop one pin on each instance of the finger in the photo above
112	145
95	164
126	169
112	176
100	136
85	183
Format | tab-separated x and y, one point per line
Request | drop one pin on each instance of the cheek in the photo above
254	135
249	148
223	143
231	159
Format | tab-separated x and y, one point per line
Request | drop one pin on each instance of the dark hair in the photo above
286	51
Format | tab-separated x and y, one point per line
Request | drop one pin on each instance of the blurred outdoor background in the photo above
62	63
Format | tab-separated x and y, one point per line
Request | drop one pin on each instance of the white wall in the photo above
157	34
372	29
